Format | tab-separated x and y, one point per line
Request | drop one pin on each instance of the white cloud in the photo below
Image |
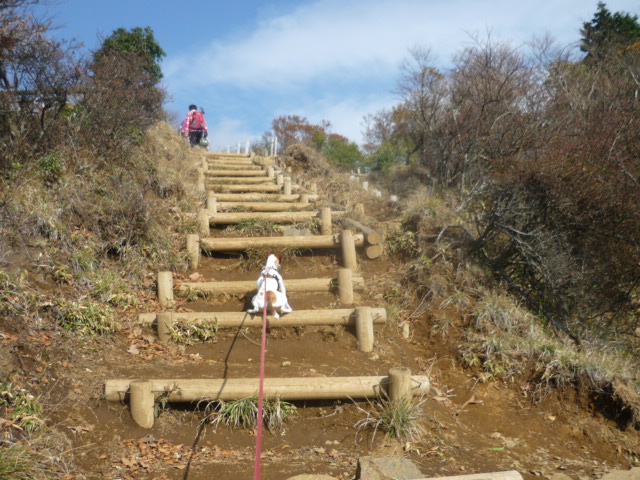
327	59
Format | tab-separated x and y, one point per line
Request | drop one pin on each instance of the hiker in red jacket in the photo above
196	126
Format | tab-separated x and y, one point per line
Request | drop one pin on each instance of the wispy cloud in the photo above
335	59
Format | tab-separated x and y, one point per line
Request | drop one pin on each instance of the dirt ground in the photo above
471	427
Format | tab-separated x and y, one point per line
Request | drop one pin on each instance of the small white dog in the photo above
270	286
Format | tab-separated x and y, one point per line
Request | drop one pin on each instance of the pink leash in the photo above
256	470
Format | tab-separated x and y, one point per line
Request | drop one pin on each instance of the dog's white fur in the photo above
271	289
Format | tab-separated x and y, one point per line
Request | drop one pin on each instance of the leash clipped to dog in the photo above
263	350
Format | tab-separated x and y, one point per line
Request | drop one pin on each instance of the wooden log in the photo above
212	182
345	286
164	324
296	388
263	197
243	287
204	222
141	402
201	180
263	206
236	173
373	251
165	288
399	383
348	247
193	249
364	328
247	188
507	475
227	155
212	203
230	168
335	316
276	217
287	186
235	244
325	221
370	235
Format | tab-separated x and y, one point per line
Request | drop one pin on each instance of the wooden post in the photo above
270	172
280	179
399	383
165	323
313	188
165	288
203	222
304	198
205	164
364	328
287	185
345	286
141	402
193	249
359	208
201	184
288	170
348	246
325	221
212	203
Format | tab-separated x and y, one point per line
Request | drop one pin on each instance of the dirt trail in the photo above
471	427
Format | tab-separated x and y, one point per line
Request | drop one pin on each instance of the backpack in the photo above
197	121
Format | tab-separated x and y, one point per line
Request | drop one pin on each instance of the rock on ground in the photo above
387	468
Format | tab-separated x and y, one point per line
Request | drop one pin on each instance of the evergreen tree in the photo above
137	41
608	32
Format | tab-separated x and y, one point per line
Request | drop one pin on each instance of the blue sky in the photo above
248	61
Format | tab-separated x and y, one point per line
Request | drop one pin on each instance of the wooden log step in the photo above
277	217
212	182
215	164
229	156
247	188
262	197
236	244
262	206
300	388
235	173
242	287
335	316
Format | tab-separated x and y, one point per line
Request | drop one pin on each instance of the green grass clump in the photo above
401	419
16	463
86	318
200	330
21	407
243	413
252	227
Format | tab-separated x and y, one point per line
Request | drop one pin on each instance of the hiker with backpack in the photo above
196	126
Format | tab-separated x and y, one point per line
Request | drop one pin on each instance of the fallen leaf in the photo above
133	350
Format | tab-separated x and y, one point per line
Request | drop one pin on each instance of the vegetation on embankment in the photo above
521	162
92	187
